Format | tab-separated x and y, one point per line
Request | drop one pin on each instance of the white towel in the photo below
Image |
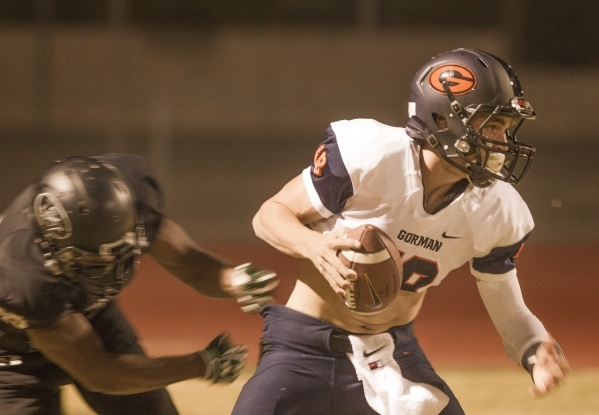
386	391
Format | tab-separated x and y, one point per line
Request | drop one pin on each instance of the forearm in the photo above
73	344
176	251
517	326
128	374
281	228
203	271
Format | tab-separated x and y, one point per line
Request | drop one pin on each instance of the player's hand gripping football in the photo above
223	361
322	251
254	287
550	368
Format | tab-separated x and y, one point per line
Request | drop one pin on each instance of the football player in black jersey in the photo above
69	243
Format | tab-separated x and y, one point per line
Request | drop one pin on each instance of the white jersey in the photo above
368	172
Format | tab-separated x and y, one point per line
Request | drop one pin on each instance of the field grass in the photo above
481	391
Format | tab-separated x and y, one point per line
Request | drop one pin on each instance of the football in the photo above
378	265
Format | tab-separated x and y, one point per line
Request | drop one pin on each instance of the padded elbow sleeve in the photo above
517	326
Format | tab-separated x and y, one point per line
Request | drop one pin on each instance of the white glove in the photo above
223	362
255	287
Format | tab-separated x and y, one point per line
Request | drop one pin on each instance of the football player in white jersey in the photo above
442	189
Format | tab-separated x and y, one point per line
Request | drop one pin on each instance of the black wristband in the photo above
529	357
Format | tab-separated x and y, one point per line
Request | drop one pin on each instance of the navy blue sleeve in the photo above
500	260
329	174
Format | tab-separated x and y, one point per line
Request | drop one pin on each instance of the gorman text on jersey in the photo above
418	240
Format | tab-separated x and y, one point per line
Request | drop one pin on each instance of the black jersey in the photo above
30	296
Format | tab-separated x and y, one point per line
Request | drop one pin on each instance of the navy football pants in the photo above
304	369
32	388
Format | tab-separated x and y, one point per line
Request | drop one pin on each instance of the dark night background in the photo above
228	99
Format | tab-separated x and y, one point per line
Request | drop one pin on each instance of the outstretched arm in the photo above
209	274
176	251
74	345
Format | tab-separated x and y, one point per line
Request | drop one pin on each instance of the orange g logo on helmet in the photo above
460	79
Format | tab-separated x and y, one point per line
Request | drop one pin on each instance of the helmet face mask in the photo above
86	215
488	159
458	87
106	272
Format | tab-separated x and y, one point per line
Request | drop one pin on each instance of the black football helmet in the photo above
86	215
459	85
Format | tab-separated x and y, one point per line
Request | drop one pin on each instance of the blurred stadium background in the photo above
228	99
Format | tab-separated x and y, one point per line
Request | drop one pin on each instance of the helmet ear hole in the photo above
440	121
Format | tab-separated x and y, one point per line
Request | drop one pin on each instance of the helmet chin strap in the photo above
480	179
416	129
494	164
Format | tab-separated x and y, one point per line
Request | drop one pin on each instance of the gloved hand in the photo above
222	360
255	287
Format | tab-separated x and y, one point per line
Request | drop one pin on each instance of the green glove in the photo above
256	287
223	361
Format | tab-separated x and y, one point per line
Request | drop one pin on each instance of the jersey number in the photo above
418	273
